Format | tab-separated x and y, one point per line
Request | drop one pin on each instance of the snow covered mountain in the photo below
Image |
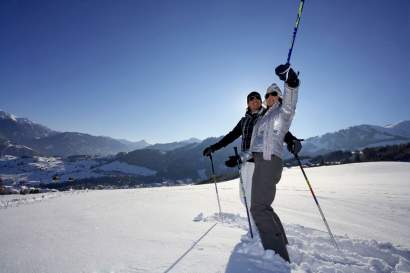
134	145
22	131
357	137
73	143
176	160
402	128
49	142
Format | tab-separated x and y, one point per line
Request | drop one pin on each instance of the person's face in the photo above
254	104
271	99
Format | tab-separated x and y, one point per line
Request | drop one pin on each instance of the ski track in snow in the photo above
311	250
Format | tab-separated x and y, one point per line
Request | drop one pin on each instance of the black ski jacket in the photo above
244	128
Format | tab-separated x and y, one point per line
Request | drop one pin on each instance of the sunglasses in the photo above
274	94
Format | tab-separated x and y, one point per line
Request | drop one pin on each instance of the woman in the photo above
267	148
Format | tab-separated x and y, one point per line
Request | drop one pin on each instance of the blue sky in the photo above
169	70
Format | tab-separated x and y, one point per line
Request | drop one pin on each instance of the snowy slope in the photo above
153	229
8	148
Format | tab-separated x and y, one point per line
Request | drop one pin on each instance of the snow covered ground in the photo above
175	229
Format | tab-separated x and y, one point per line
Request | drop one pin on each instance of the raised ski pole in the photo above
243	191
216	187
295	29
317	204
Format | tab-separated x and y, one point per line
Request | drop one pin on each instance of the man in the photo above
244	128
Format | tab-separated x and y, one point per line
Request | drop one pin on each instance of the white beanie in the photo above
272	88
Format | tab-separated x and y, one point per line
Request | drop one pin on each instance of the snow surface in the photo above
176	229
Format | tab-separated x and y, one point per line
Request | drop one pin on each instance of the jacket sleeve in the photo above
230	137
290	98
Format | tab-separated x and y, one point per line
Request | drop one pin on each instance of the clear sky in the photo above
169	70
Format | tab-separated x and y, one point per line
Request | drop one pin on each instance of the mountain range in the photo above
42	140
22	131
176	160
358	138
188	162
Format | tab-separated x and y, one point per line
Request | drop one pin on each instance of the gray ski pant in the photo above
265	177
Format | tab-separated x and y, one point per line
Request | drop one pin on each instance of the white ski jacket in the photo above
270	129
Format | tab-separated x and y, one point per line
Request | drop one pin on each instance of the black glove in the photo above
208	151
294	146
233	161
287	74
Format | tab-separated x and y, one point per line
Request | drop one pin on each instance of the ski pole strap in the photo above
295	29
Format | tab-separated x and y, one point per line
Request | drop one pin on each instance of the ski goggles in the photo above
274	94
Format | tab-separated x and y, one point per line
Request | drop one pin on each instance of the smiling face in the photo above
254	104
271	98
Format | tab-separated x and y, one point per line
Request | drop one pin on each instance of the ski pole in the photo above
317	204
243	191
295	29
216	187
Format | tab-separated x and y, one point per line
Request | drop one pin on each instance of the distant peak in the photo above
5	115
192	140
398	124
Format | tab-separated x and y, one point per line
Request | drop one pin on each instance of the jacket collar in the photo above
255	114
